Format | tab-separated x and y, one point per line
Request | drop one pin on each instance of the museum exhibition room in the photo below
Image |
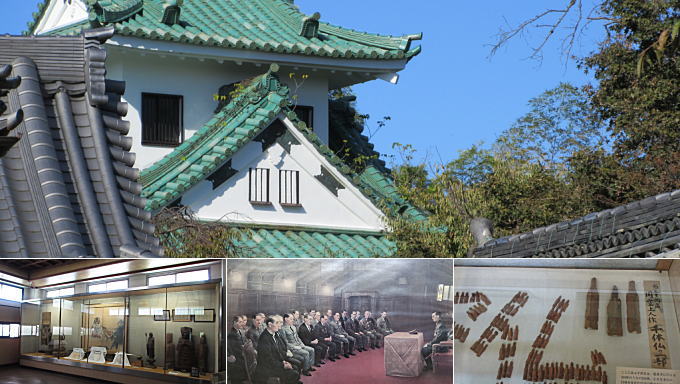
141	321
557	321
390	320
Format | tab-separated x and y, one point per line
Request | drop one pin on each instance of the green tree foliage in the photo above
640	104
577	150
520	182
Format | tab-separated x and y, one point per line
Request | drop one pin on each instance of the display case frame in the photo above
206	295
553	323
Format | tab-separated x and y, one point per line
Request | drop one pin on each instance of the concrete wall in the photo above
197	81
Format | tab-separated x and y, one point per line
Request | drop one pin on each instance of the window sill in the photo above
261	203
289	205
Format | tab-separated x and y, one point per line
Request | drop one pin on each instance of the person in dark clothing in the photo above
306	333
256	328
352	329
323	333
440	334
236	359
271	356
340	335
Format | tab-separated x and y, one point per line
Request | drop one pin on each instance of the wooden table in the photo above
402	354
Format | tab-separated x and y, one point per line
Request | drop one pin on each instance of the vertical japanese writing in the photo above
656	325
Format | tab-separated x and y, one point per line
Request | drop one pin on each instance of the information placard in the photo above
629	375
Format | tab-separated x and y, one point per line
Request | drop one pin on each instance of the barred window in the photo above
258	191
162	120
289	188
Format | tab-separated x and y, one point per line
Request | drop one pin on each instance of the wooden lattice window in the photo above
260	281
258	190
162	120
289	188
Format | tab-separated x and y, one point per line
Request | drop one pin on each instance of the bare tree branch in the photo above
570	18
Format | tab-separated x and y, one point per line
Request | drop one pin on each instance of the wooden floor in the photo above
15	374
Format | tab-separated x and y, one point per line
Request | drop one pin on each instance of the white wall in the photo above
569	341
197	81
319	206
61	13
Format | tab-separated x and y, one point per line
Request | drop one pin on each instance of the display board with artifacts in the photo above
547	340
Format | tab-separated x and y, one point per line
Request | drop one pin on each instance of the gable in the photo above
59	13
325	195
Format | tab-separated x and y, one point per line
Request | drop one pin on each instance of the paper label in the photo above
627	375
656	326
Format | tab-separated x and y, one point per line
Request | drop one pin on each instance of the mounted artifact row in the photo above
614	310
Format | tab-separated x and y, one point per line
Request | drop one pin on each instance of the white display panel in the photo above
569	342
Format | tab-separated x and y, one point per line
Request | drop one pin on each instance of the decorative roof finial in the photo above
171	11
310	26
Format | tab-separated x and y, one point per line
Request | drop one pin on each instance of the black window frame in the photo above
155	141
292	191
309	111
258	193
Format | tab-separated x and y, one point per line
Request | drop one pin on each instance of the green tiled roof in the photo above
213	144
262	25
241	120
282	243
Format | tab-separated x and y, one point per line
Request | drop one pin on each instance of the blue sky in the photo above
452	95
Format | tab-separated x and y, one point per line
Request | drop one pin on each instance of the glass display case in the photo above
524	325
168	330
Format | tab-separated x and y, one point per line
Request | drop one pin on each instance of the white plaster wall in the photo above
60	13
197	81
569	341
320	207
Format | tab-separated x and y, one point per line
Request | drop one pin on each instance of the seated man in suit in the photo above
351	329
370	325
323	333
256	328
339	334
300	351
271	356
441	333
306	334
297	320
383	324
294	360
360	324
236	354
